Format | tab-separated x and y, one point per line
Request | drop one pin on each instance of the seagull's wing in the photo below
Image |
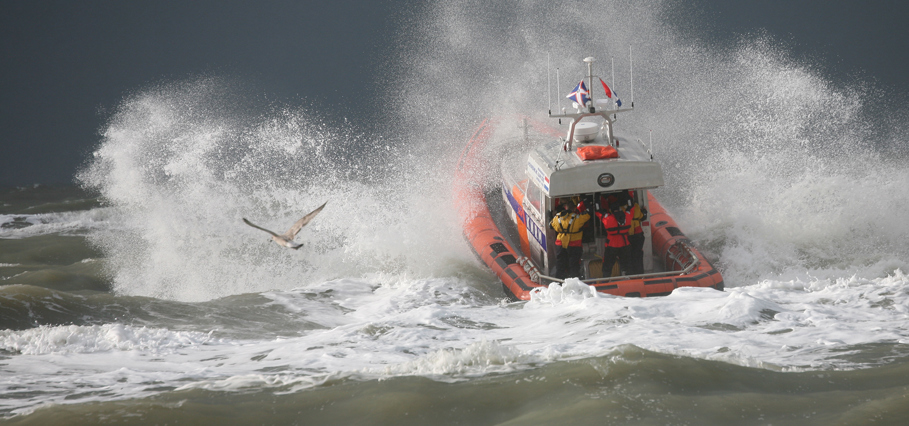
292	232
259	227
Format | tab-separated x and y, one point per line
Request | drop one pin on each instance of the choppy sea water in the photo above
409	347
141	297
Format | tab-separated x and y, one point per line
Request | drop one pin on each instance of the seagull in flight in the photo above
287	240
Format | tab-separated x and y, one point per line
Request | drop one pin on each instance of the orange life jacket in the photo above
596	152
616	233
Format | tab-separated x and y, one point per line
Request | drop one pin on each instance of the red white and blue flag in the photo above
609	93
606	89
579	94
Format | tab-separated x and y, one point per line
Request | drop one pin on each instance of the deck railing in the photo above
679	255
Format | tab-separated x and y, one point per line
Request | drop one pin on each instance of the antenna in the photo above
558	97
631	62
651	144
549	82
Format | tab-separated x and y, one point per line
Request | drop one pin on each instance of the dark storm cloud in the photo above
846	39
66	64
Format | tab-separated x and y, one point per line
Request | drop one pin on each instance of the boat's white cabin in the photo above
554	172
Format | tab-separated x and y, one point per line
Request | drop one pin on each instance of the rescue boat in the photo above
506	215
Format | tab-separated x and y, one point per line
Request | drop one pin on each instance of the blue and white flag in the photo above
618	102
579	94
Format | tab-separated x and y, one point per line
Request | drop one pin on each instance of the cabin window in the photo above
535	197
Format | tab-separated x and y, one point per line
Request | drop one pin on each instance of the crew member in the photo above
636	236
568	246
617	222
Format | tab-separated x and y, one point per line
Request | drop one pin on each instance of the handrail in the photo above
688	268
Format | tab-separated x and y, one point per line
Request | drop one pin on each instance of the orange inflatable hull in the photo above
494	250
479	229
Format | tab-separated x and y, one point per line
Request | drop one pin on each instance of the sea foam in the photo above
98	338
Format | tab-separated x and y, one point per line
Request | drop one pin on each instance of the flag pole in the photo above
589	61
613	82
